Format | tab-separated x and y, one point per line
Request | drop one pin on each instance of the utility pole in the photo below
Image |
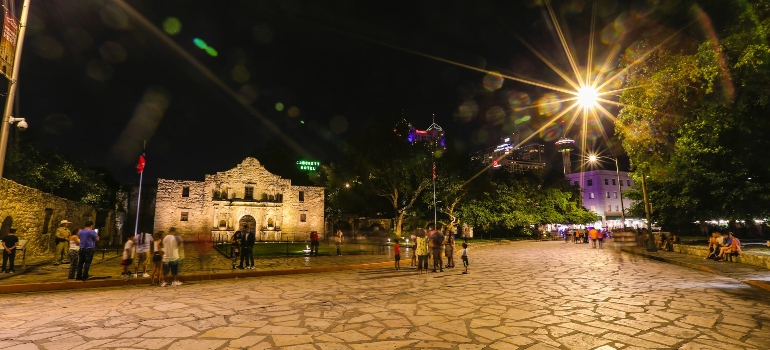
8	119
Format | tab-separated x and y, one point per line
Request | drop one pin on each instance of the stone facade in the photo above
36	216
245	195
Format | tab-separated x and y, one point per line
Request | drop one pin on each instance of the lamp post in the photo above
594	159
7	119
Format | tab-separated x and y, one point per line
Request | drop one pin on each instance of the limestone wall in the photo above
36	215
312	207
170	206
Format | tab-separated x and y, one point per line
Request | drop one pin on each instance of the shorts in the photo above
172	267
127	262
157	257
398	257
144	258
465	261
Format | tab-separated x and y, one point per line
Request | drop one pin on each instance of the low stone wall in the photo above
748	258
36	215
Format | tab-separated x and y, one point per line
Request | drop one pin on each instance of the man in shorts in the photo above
143	242
171	246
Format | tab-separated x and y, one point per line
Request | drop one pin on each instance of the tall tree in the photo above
696	124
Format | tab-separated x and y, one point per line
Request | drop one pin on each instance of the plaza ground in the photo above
528	295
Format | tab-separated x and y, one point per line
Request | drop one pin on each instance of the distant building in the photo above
247	195
600	195
432	136
516	160
566	146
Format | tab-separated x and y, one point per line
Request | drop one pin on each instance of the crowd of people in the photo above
433	243
593	235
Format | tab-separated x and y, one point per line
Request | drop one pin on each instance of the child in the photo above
127	260
465	258
157	261
397	253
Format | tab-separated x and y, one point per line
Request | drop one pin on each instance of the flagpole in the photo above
140	167
138	201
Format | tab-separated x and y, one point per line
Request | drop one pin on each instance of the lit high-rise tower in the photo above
565	147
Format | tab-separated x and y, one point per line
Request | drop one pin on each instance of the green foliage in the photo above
52	173
698	127
516	202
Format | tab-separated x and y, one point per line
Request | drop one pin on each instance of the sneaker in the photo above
465	272
135	275
176	283
163	284
145	275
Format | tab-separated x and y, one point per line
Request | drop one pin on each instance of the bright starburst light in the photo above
588	91
587	96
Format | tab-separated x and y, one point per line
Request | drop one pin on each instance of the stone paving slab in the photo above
534	295
752	275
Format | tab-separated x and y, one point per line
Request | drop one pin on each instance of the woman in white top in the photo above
73	253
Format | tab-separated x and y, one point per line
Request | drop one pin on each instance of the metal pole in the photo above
5	122
622	208
435	220
138	201
651	241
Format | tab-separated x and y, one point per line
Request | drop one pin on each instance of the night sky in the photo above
100	76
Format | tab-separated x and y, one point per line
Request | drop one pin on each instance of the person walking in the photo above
247	248
88	238
600	238
10	243
449	249
157	261
171	248
338	242
235	248
74	243
422	251
593	234
143	242
315	242
60	252
437	243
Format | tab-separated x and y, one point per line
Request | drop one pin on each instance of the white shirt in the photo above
127	249
143	247
170	248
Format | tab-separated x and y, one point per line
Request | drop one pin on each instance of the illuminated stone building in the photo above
245	195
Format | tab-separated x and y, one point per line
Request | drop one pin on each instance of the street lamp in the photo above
7	119
594	159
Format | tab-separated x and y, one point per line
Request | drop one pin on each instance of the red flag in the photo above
434	170
140	165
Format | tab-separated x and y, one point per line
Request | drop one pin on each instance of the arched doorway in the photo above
247	220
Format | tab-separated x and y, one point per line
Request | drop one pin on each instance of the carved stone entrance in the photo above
247	220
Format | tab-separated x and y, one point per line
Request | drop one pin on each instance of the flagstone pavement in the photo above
533	295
